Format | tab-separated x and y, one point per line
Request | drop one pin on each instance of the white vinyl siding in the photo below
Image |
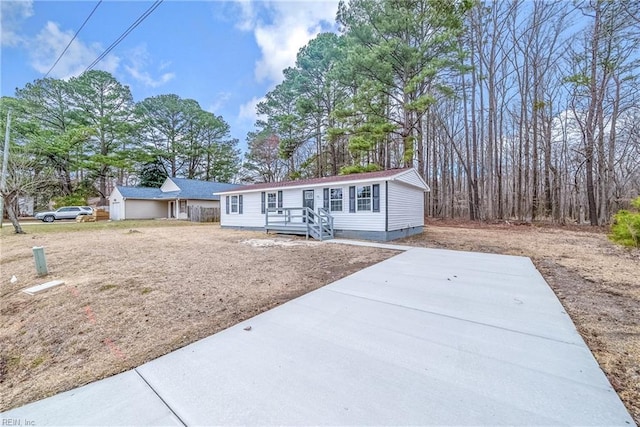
360	220
168	186
406	206
411	177
116	206
345	220
251	212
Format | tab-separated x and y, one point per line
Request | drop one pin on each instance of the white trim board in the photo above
43	287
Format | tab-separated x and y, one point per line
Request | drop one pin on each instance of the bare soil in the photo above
132	295
597	282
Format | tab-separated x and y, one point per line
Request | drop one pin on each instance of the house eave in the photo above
320	185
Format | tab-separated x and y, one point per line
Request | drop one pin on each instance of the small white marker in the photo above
39	288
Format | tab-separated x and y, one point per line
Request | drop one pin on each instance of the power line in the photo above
71	41
137	22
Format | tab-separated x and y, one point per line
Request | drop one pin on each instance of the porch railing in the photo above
300	220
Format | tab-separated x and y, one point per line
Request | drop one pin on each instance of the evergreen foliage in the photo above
89	135
75	199
625	229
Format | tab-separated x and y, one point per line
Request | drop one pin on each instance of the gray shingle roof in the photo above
139	192
201	190
189	189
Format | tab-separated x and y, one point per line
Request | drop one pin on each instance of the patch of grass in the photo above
13	361
106	287
37	361
145	291
69	227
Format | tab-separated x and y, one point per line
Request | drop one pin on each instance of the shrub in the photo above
625	229
74	199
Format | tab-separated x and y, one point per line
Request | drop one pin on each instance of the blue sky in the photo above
224	54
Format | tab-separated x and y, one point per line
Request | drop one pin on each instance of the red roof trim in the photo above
326	180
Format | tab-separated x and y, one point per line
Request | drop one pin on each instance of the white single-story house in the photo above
171	200
383	205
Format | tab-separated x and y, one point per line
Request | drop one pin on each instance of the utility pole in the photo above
5	162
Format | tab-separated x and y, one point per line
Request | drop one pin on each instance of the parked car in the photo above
65	212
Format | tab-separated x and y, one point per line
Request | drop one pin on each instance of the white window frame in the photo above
333	200
182	206
275	200
368	199
233	205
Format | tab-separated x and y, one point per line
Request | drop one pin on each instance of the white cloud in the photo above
139	59
281	29
221	100
45	48
247	15
248	112
12	13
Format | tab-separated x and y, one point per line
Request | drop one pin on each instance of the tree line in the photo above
509	109
80	137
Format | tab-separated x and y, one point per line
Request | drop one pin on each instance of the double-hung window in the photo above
335	199
234	204
363	198
271	200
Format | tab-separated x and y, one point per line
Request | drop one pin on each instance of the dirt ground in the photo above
597	282
131	295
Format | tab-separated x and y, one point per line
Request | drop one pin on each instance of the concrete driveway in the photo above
428	337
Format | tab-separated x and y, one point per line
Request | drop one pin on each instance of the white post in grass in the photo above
41	261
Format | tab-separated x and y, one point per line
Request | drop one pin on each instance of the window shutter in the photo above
279	198
262	195
240	204
376	197
352	199
325	198
227	202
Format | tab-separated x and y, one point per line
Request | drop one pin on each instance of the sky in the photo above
224	54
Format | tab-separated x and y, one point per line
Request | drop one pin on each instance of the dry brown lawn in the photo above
132	295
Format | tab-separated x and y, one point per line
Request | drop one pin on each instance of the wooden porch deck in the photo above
297	229
318	225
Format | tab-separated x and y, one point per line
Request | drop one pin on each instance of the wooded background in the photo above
519	110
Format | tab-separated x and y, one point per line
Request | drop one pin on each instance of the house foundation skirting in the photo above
380	236
240	227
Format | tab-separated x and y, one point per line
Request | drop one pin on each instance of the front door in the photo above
307	199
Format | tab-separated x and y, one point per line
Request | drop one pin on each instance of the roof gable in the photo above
384	175
203	190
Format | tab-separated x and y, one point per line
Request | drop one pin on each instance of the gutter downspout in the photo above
386	206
